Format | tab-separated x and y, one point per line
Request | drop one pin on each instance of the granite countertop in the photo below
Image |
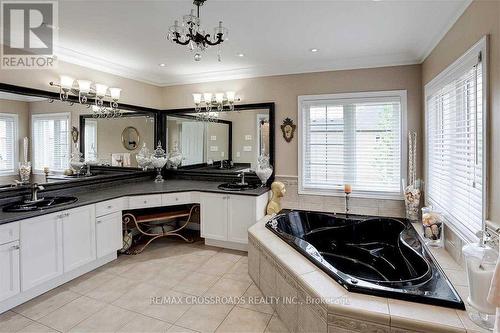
93	194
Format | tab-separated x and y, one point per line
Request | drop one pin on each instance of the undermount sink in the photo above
41	204
237	186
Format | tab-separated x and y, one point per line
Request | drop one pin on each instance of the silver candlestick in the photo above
347	203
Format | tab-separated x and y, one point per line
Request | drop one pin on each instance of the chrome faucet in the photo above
88	170
242	175
34	192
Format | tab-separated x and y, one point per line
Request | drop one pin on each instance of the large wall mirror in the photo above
116	142
230	140
36	127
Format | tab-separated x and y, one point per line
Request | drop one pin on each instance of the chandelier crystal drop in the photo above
191	34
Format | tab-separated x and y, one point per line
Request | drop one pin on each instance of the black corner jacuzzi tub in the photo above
378	256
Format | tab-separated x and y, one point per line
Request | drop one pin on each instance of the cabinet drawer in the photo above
9	232
110	206
171	199
144	201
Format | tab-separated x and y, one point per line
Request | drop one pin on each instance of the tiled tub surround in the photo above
280	271
361	206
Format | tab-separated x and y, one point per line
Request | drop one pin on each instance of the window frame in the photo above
16	144
437	83
401	94
45	116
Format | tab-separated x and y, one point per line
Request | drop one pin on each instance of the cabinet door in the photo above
41	250
213	208
241	216
79	246
109	234
9	274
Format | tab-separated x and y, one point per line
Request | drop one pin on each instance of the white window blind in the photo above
8	143
455	144
51	141
352	139
90	139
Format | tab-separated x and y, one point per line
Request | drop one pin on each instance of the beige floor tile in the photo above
239	271
139	299
72	313
143	324
196	283
219	264
89	281
276	326
119	266
13	322
254	300
46	303
204	317
228	288
112	289
169	277
178	329
143	271
108	319
37	328
244	320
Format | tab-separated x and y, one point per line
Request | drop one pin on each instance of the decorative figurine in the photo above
264	169
158	160
143	158
175	157
278	190
288	129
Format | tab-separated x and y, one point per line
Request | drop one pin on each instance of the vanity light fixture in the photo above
105	100
221	101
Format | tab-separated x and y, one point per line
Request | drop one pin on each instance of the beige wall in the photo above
284	90
481	18
134	92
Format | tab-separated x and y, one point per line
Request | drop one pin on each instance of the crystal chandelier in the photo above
191	33
86	90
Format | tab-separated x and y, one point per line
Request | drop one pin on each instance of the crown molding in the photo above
440	35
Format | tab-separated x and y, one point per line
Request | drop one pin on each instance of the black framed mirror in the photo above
231	141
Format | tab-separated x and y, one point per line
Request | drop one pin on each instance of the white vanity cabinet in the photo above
79	237
109	233
9	260
227	217
41	249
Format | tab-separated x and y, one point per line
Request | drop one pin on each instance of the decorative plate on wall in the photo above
288	129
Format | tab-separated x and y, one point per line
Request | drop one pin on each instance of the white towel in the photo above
126	160
494	295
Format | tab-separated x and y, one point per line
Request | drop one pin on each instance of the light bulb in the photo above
101	90
115	93
66	82
230	96
197	98
84	86
219	97
207	97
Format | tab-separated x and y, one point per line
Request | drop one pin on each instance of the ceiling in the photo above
127	38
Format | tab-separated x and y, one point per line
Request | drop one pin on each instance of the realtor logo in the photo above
29	31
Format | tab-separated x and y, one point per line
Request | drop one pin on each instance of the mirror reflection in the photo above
234	140
38	138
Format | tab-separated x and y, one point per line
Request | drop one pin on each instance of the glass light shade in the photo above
230	96
84	86
220	30
219	97
101	90
207	97
66	82
115	93
197	98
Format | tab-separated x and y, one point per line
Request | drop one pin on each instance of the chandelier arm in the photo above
178	41
217	42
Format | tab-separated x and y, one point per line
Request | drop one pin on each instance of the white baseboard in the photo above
227	245
49	285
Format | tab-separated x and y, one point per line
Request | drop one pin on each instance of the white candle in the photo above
347	188
25	147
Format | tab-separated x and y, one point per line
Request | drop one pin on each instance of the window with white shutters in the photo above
352	139
8	143
455	137
51	141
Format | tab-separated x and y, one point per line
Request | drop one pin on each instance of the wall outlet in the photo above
248	137
213	137
222	154
238	154
247	148
214	148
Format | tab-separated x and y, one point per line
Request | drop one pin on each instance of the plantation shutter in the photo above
51	142
8	144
